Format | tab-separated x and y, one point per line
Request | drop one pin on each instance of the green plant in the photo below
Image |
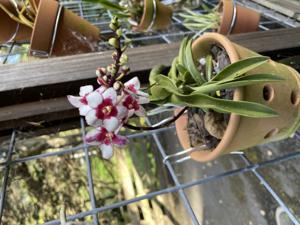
186	86
126	9
202	22
110	107
191	4
24	13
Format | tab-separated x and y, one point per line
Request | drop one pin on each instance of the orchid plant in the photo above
201	22
112	104
24	11
132	10
110	107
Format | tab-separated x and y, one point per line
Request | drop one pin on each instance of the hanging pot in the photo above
156	16
58	31
244	132
237	19
10	29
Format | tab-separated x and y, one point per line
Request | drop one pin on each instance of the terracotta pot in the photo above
243	132
73	34
156	16
10	30
237	19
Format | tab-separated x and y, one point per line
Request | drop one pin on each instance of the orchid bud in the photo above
119	32
113	26
115	23
113	42
114	55
112	69
117	85
101	71
123	59
125	69
105	78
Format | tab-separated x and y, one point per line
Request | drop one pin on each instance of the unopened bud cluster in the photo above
111	75
113	103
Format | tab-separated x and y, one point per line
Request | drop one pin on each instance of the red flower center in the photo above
105	137
132	88
83	100
131	103
106	110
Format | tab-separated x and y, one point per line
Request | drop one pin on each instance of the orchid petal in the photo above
83	110
110	93
107	151
122	112
91	137
143	100
143	94
101	89
94	99
84	90
130	113
91	119
111	124
140	112
135	82
120	140
75	101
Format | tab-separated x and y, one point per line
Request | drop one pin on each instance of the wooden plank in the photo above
286	7
65	75
58	76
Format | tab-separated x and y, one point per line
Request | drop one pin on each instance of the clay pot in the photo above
243	132
9	28
73	35
155	11
246	20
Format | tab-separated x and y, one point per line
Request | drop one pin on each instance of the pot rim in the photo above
50	8
143	25
226	7
210	38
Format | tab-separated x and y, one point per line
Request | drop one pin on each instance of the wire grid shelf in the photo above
175	33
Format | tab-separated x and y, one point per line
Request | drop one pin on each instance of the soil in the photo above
208	127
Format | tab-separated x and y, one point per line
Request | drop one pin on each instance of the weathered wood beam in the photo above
56	77
286	7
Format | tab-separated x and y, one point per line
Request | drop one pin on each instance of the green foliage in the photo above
202	22
109	5
185	85
122	9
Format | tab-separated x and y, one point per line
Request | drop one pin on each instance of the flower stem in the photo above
167	123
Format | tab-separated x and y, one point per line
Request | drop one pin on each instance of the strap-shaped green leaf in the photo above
238	82
190	64
167	84
184	75
208	66
173	71
240	68
181	55
243	108
158	93
109	5
156	70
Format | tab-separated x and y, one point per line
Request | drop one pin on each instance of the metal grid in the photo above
175	33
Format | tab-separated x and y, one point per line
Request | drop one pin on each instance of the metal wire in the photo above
89	171
6	173
250	168
182	194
